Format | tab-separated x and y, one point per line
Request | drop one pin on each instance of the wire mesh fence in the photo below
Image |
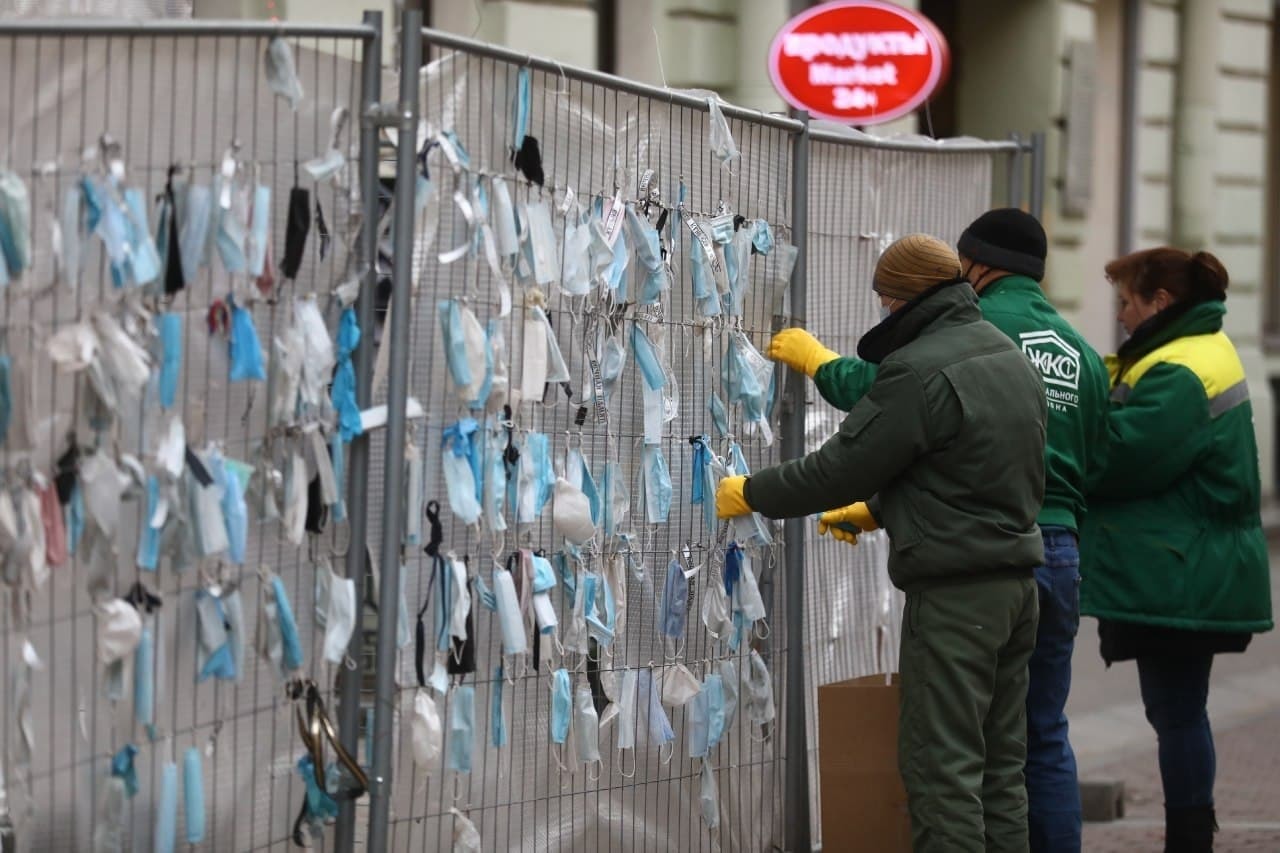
596	268
98	126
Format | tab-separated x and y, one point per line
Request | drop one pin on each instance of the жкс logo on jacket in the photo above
1059	366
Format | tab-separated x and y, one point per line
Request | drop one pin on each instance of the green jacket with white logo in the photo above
1173	537
1075	386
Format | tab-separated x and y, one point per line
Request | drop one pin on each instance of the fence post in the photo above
1015	172
796	811
1037	175
350	680
393	495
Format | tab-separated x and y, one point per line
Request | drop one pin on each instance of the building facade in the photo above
1156	114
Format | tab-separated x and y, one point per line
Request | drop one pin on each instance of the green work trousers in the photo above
962	730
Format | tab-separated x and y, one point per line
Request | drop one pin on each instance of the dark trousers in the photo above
962	741
1053	787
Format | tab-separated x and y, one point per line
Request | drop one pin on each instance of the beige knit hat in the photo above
912	265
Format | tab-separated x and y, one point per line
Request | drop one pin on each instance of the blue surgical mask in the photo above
537	478
885	313
244	347
497	720
594	589
122	768
234	479
761	236
593	494
729	682
704	285
193	794
655	725
170	327
166	832
459	462
654	413
709	797
696	724
738	266
657	485
144	259
15	223
194	232
520	125
259	230
586	725
6	396
561	706
144	679
647	358
462	715
649	254
149	540
617	500
338	457
614	276
230	236
674	610
747	379
719	414
544	577
612	360
291	648
495	484
343	390
713	689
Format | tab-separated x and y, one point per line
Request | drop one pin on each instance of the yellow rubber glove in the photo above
799	350
730	500
855	515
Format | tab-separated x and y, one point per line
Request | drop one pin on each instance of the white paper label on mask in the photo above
614	214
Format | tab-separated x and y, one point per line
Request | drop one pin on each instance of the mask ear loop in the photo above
599	766
622	763
670	753
557	755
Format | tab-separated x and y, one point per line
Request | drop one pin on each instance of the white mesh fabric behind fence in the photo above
863	196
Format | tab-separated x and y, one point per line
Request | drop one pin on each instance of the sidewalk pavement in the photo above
1247	793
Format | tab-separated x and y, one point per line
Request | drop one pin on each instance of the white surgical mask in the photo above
678	686
571	512
341	620
425	732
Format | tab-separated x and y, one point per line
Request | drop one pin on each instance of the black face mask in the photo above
174	280
295	232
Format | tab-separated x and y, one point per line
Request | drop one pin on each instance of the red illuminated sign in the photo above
858	61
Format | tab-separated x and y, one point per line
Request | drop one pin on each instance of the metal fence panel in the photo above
594	141
180	98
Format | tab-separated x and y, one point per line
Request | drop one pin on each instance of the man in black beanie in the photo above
1002	254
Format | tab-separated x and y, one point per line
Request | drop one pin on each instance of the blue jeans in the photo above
1175	691
1053	790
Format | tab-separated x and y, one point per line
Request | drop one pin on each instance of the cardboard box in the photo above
864	806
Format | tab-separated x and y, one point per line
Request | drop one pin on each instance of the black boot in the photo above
1189	830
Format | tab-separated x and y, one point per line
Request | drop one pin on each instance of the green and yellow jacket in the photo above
1173	536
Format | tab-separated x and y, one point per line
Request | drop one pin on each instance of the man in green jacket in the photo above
948	445
1003	253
